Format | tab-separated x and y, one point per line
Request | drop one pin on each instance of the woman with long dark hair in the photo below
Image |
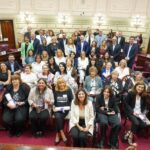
136	109
40	98
82	119
107	111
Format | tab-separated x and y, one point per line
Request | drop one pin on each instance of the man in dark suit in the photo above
36	43
120	39
114	49
13	65
62	42
130	50
82	46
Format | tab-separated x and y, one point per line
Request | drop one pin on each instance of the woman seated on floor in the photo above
82	119
15	104
63	97
136	109
107	111
40	99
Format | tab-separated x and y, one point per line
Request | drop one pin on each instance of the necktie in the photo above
129	50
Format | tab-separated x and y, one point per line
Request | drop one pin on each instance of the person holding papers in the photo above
136	109
82	119
40	100
63	96
15	106
93	84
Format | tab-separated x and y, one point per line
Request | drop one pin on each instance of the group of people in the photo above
87	81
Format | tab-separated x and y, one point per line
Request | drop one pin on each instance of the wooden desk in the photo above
23	147
17	55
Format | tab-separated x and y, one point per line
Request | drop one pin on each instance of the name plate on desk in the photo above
3	53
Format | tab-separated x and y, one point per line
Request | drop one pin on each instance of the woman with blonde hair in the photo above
59	57
70	47
63	97
122	69
45	56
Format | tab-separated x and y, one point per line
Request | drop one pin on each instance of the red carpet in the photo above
48	140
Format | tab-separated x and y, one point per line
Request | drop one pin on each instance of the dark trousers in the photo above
113	120
136	123
38	120
79	137
59	118
15	119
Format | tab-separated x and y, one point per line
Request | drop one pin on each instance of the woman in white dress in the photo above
83	62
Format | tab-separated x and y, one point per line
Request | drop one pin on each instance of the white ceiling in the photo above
111	8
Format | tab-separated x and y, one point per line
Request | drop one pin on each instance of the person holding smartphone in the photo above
106	111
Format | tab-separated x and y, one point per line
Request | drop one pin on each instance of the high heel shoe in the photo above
57	142
65	141
126	136
130	140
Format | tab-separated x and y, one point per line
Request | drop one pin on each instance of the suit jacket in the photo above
130	103
99	39
122	42
86	48
61	44
53	48
132	54
23	54
89	116
87	84
101	103
115	53
36	44
16	66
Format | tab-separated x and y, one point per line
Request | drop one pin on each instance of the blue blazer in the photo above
132	54
36	44
86	48
87	84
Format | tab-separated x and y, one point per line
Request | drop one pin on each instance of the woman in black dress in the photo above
5	75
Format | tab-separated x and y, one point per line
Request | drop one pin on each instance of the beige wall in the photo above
118	14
